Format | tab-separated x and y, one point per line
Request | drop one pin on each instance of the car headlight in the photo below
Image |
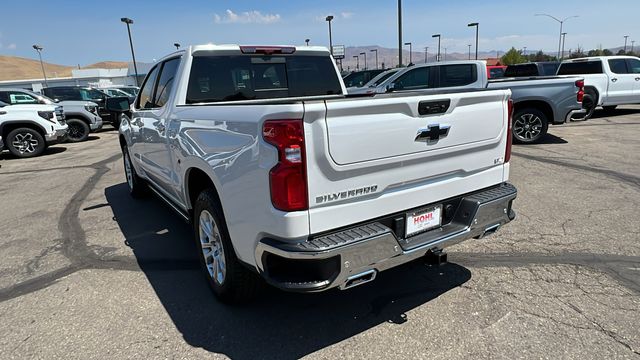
47	115
92	109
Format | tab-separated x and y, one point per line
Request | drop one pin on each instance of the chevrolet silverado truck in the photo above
285	179
609	80
29	129
538	101
81	116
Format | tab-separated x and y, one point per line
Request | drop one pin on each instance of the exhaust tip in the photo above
359	279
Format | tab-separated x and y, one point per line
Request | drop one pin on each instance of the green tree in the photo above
607	52
513	56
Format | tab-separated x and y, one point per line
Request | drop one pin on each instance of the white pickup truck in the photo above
284	177
609	81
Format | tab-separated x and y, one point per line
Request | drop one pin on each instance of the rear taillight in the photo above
288	179
267	50
507	151
580	86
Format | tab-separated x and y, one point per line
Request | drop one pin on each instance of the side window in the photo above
413	79
457	75
580	68
633	65
145	99
618	66
21	98
4	97
165	83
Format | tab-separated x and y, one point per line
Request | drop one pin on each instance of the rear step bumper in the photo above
353	256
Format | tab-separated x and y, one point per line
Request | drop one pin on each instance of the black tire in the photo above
589	103
137	186
609	109
238	284
25	143
78	130
529	126
116	121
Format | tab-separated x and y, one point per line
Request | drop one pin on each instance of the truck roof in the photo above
591	58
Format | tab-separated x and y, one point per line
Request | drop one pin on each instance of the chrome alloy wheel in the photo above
25	143
527	127
128	171
212	250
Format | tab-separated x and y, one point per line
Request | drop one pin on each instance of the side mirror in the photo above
117	104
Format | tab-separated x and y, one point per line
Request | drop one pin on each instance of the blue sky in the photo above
82	32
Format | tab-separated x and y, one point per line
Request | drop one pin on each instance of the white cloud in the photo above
246	17
11	47
346	15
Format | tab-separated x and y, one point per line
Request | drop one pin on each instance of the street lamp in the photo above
469	51
625	43
133	54
477	25
307	41
437	36
561	23
426	54
564	36
365	59
399	33
375	51
410	51
39	48
328	19
177	45
357	57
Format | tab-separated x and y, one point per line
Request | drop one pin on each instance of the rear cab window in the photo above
457	75
216	78
580	68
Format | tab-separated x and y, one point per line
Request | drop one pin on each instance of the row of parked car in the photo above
30	121
549	93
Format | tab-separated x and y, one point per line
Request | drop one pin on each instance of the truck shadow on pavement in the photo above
277	324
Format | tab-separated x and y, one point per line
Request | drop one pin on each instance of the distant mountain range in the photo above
18	68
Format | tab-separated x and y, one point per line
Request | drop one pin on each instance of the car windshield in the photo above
129	90
117	92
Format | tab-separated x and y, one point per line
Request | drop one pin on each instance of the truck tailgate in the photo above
376	156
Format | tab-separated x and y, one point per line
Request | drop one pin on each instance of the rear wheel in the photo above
230	281
25	143
78	130
589	103
529	125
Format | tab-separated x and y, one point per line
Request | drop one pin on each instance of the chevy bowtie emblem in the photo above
432	133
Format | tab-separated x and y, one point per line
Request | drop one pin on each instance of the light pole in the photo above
477	25
375	51
399	33
133	54
177	45
469	51
357	57
625	43
410	51
328	19
561	23
307	41
426	54
39	48
365	59
564	36
437	36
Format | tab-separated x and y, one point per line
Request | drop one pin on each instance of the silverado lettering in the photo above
346	194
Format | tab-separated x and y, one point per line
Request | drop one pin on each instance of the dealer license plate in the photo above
423	220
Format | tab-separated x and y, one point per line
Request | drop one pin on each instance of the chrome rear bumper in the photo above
352	256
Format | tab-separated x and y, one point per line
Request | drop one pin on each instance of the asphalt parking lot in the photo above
89	273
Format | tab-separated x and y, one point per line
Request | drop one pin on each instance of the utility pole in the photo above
625	43
561	23
426	54
133	54
477	25
39	48
365	59
399	33
328	19
375	51
437	36
410	51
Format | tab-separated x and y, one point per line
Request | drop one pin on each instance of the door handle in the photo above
638	79
614	80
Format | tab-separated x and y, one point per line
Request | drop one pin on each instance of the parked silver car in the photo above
370	87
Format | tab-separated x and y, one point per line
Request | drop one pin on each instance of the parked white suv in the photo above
609	80
27	130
